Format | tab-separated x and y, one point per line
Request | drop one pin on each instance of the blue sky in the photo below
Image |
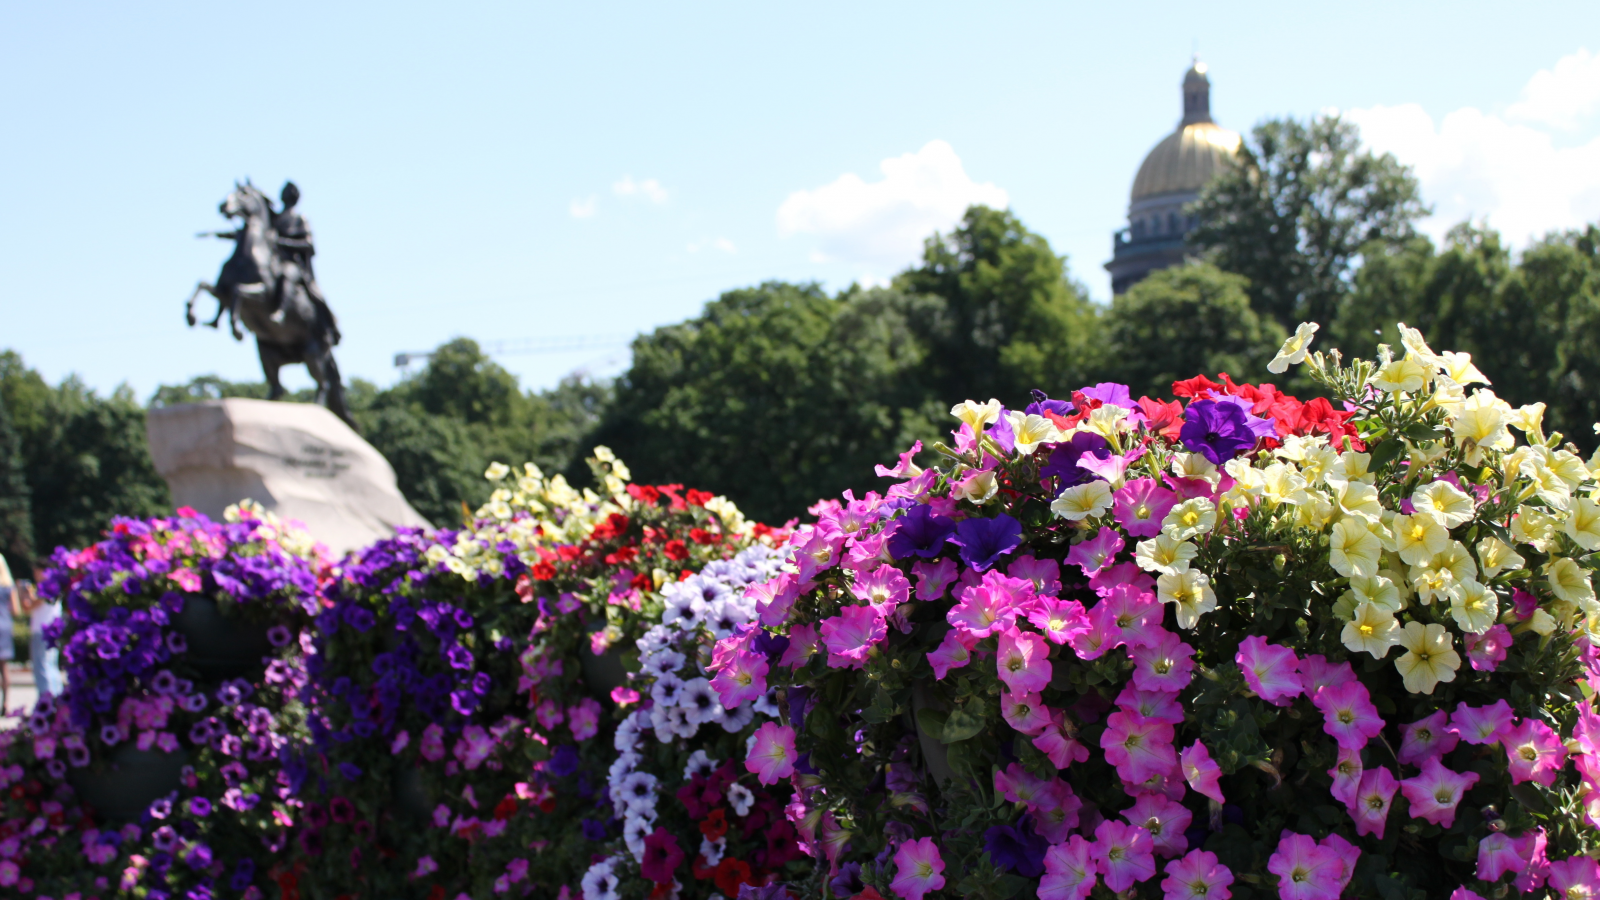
550	171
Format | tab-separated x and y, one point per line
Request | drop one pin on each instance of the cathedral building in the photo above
1170	178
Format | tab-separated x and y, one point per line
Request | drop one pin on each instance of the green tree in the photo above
16	522
1012	320
776	395
1185	321
1299	210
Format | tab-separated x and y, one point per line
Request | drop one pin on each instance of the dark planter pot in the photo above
934	754
130	782
221	646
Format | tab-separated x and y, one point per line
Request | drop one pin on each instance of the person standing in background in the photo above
8	650
46	659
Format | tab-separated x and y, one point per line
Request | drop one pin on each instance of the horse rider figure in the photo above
295	249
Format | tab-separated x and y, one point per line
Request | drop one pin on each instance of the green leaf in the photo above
1385	452
959	726
1421	434
931	723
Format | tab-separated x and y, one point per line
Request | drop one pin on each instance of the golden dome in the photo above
1185	160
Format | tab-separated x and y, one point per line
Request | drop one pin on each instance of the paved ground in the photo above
21	697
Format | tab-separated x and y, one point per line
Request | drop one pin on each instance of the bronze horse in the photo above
245	290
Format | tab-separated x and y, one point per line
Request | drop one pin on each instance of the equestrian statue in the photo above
268	283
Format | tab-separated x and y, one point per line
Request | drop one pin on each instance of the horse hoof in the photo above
190	320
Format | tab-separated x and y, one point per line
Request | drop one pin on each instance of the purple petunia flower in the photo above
563	762
278	636
459	657
920	532
1016	848
243	874
984	541
1063	462
350	771
199	807
1217	431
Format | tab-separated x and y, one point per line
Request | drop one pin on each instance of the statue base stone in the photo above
296	459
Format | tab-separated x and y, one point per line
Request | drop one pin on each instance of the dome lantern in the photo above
1196	94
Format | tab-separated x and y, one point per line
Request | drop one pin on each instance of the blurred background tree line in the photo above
782	393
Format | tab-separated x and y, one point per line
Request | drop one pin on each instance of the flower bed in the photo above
1228	645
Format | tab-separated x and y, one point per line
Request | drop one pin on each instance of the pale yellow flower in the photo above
1279	481
1193	465
1293	351
1165	554
1379	590
1444	500
1473	606
497	471
1533	527
1418	537
1312	509
977	487
1191	518
1569	581
976	415
1541	623
1430	657
1357	499
604	454
1191	592
1084	501
1353	548
1402	376
1352	466
1459	367
1583	524
1431	582
1108	421
1569	467
1416	347
1372	630
1495	556
1031	431
1529	420
1480	425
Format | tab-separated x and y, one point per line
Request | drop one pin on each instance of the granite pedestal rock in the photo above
298	460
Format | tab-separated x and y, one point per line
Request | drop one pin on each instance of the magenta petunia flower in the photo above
991	605
883	589
1025	712
1536	865
1373	799
1436	793
1348	715
1105	580
1317	673
1462	893
1097	552
1427	737
1138	747
1059	741
583	718
1093	642
1058	619
1273	672
774	598
1166	665
1165	819
742	678
1488	650
662	856
952	653
1201	771
918	869
1044	573
1018	785
1069	870
432	746
1306	870
1346	774
1163	706
1574	877
1124	854
1131	615
1055	811
1534	752
1497	855
820	552
851	635
1023	661
772	753
934	578
1197	876
1140	505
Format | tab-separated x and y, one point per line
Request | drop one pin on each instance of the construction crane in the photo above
517	346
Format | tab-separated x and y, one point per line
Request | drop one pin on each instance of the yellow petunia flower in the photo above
1430	657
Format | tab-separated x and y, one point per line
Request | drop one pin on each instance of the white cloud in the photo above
584	209
649	188
721	243
1511	170
883	223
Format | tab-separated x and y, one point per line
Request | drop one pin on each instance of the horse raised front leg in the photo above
188	308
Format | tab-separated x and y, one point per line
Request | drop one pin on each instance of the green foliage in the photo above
86	457
776	395
1185	321
1299	210
214	387
16	523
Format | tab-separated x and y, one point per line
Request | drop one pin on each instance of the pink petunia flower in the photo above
1124	854
934	578
820	550
1133	616
952	653
1348	715
1482	724
1069	870
1488	650
1059	741
991	605
741	679
1023	661
1427	738
1093	642
1044	573
474	746
1197	876
1137	746
1497	855
802	643
1201	771
1106	580
1025	712
1140	505
1273	672
1160	705
883	589
549	713
1535	864
1462	893
772	753
432	746
851	635
583	718
1346	855
1373	799
1534	752
775	597
1018	785
1055	812
1097	552
1346	774
1166	665
1575	877
918	869
1317	673
1436	793
1166	821
1058	619
1306	870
